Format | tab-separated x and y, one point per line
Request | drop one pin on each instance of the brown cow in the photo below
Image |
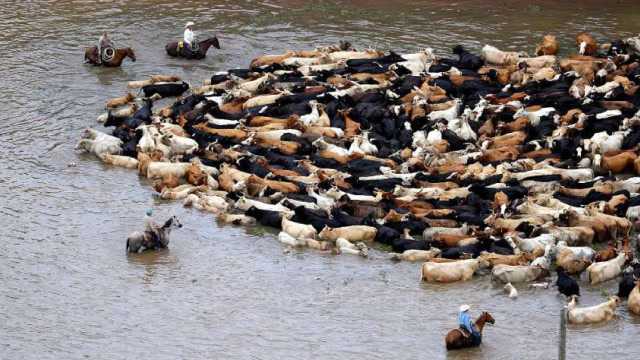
195	176
123	100
505	153
235	134
607	253
617	164
516	125
548	46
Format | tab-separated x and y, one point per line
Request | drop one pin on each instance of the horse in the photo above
91	56
199	53
139	241
457	340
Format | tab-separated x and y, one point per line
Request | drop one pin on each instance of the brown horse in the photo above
200	53
456	340
91	56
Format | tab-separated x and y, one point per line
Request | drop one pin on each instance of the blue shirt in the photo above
464	320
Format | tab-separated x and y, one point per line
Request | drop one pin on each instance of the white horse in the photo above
139	241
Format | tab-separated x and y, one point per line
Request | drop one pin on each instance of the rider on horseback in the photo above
104	43
151	228
466	325
189	37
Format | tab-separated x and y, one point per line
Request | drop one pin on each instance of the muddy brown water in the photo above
69	291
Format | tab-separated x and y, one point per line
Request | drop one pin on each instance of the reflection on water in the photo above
152	262
152	258
68	288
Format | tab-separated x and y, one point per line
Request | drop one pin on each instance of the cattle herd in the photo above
521	165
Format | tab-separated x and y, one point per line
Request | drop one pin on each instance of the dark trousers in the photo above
189	50
476	338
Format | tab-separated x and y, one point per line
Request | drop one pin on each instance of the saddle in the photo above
152	240
182	49
464	332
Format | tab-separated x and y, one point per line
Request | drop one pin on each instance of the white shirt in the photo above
188	36
150	225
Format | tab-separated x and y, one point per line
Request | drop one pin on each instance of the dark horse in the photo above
91	56
457	340
199	53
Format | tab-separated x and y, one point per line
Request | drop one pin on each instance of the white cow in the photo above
592	314
606	270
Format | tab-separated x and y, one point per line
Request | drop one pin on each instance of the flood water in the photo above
68	290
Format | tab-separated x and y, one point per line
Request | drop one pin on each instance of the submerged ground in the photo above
68	289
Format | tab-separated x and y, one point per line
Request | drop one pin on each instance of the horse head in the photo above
172	222
205	44
131	54
487	318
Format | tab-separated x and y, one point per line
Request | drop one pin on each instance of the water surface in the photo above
69	291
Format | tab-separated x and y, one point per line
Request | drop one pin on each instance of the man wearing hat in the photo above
151	227
189	36
464	320
103	43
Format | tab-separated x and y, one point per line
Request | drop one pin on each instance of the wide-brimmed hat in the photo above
190	23
464	308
